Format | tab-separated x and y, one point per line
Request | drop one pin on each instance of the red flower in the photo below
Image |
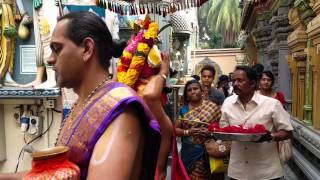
146	24
258	128
125	61
150	41
121	69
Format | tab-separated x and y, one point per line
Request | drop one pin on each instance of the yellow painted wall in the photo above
225	58
227	63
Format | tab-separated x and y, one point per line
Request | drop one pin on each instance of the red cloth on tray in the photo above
258	128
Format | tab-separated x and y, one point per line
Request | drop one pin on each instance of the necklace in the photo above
82	105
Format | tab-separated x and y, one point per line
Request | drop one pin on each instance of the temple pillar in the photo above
262	34
313	30
300	57
316	94
306	15
297	43
308	99
294	80
278	50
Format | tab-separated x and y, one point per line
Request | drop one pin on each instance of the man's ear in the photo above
88	49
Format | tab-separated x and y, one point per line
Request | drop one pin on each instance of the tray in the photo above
244	137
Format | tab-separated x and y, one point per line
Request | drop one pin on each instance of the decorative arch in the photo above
207	61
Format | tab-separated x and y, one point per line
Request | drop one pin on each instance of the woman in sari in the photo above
266	87
194	119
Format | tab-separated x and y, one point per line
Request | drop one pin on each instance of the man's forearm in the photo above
12	176
281	135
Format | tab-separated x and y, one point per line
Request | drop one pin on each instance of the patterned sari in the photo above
193	152
83	130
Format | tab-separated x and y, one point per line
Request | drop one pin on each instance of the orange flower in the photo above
137	62
131	77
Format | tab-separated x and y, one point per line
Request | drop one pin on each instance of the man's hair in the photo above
209	68
83	24
251	74
270	75
196	77
185	96
259	69
223	78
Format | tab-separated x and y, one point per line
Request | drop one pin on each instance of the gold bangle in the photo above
163	76
186	132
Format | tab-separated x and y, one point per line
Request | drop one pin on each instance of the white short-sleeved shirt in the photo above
249	160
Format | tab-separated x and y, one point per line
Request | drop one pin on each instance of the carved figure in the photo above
7	38
45	18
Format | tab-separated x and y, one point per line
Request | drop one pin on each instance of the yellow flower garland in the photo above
130	66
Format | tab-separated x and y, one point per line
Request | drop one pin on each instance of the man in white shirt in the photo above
254	160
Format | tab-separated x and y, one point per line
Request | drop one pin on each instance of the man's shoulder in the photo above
266	99
231	99
119	90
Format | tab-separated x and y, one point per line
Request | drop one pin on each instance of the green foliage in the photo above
214	41
222	17
10	31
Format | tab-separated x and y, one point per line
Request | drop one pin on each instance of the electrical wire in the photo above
31	141
57	111
24	138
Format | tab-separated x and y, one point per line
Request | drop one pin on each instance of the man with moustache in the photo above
254	160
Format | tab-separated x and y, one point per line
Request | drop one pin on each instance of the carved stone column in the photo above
308	100
278	50
300	57
316	89
313	31
307	15
262	33
294	80
297	42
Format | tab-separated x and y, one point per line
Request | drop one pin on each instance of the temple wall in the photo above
13	140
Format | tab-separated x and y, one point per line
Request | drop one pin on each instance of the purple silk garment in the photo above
82	130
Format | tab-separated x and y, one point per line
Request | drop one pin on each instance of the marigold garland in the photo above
134	56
